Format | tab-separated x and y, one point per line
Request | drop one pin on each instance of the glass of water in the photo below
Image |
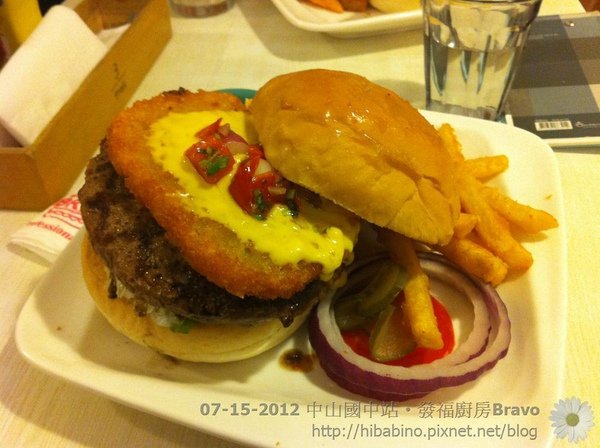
472	50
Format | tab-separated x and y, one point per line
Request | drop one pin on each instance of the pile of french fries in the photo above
385	6
483	244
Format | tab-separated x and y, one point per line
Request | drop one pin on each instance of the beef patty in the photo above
138	254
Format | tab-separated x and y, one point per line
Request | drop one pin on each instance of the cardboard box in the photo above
33	177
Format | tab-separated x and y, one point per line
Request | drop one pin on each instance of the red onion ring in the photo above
487	343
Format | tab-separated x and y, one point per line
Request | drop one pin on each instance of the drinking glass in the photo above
200	8
472	50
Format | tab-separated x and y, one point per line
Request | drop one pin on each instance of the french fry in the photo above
451	143
526	218
355	5
465	225
476	260
492	229
331	5
486	167
417	301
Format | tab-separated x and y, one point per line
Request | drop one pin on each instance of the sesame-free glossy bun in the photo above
204	343
361	146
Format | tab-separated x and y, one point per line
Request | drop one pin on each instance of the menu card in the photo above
556	91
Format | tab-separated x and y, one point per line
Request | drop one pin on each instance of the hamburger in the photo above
213	229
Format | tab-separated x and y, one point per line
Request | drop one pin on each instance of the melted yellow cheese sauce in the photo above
317	235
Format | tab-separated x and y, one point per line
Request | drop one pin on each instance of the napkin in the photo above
6	139
49	233
110	36
45	71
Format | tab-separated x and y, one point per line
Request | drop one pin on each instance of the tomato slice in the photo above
210	156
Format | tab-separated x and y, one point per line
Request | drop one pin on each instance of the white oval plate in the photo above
258	402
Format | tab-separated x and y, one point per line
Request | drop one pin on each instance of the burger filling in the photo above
139	256
216	160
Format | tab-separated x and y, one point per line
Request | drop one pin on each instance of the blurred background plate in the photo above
347	24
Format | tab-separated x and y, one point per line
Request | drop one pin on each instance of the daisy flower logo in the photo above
572	419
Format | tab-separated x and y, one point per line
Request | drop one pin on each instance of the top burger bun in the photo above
361	146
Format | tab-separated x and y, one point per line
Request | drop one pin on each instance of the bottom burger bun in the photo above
213	343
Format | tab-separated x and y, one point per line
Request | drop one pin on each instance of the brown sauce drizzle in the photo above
296	360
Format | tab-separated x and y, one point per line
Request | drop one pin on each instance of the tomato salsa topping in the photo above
210	156
256	185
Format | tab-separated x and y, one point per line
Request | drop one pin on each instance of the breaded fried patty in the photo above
135	249
210	248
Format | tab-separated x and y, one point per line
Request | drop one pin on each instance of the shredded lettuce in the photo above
183	325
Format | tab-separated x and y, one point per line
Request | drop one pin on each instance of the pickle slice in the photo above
383	289
347	315
358	310
391	337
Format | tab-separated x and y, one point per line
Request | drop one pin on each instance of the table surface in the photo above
244	48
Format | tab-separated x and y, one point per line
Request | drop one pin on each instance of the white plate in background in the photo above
347	24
